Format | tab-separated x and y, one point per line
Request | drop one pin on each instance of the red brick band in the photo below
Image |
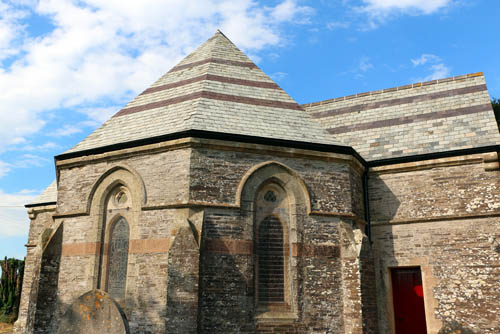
403	100
136	246
317	251
216	61
211	77
411	119
81	248
245	247
228	246
212	96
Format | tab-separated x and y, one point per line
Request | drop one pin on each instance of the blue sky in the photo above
67	66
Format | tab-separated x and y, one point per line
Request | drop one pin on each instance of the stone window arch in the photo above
272	247
271	189
115	240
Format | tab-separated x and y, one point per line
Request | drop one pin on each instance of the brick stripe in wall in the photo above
211	77
213	60
411	119
212	96
399	101
136	246
317	251
245	247
228	246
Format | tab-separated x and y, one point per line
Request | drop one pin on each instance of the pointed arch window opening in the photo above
271	261
272	281
116	279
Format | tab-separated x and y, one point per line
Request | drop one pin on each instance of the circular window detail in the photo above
121	197
270	196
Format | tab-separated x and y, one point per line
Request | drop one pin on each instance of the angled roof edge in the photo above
393	89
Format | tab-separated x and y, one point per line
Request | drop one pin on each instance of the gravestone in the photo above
94	312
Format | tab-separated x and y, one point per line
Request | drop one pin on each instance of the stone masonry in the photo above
214	203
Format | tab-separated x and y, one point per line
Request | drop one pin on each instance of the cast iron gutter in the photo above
368	227
34	205
430	156
217	136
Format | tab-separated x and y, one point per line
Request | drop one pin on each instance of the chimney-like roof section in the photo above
217	88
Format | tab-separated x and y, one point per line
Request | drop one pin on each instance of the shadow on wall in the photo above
226	298
368	289
47	302
454	327
383	203
182	285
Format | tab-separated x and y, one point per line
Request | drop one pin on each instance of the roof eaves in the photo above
219	136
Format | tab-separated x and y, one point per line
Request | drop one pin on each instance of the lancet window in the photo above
272	246
118	258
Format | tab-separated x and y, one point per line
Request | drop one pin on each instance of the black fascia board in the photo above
436	155
34	205
217	136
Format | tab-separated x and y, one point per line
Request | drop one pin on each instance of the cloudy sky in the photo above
66	66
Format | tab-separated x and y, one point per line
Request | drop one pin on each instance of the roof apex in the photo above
216	88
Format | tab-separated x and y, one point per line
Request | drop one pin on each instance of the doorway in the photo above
408	301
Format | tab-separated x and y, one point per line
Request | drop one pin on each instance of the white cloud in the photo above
30	160
4	168
14	220
277	76
10	28
379	11
364	64
288	10
48	146
433	64
438	71
101	53
420	6
24	161
66	130
337	25
423	59
100	114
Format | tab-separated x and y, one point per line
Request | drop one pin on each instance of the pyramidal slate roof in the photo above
217	88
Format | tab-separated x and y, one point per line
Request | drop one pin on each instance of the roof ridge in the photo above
393	89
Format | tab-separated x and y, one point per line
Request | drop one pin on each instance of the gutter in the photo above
368	227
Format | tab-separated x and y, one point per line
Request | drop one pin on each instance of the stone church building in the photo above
214	203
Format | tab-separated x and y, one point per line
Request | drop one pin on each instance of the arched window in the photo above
118	259
272	247
270	261
115	239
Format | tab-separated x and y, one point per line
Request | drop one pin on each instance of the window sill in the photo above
276	316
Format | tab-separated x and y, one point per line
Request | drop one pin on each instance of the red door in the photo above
408	298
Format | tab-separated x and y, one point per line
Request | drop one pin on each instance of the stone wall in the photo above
228	302
438	215
40	231
214	189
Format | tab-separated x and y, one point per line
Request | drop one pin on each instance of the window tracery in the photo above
272	246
